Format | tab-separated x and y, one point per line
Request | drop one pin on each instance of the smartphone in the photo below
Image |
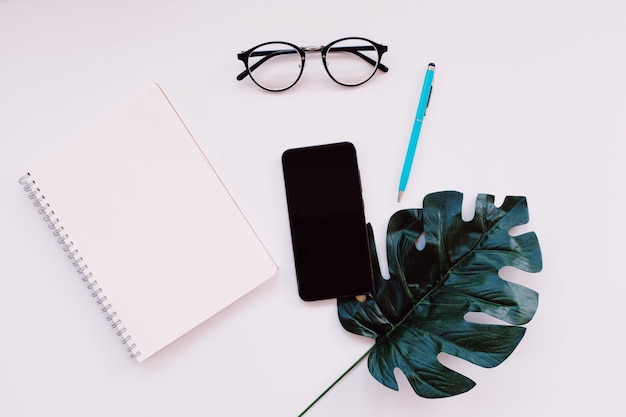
327	221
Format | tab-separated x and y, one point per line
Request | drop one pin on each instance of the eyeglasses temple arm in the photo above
266	55
242	75
355	50
380	65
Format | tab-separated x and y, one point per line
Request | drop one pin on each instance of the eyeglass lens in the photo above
275	66
351	61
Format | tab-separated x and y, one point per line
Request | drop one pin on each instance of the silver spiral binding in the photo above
63	238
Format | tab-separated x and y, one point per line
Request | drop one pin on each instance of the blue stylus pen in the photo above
417	127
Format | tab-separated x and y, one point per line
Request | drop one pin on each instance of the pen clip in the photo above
430	93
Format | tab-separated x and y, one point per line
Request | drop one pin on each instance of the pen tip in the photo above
400	194
431	64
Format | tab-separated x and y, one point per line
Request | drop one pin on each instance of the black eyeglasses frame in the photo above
244	56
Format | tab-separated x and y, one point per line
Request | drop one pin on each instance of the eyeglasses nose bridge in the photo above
312	48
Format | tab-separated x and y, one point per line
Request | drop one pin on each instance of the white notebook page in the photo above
152	221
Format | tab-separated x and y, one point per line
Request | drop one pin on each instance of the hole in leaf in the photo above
420	243
455	363
468	209
482	318
519	230
512	274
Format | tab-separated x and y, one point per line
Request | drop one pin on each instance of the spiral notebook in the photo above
147	223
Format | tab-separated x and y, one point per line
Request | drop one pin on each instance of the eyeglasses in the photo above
277	66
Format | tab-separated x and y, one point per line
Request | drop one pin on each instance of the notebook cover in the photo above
154	226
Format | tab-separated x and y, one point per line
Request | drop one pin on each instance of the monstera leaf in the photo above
420	310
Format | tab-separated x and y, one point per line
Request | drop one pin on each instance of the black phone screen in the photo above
327	220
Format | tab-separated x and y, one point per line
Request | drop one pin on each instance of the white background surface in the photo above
529	99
